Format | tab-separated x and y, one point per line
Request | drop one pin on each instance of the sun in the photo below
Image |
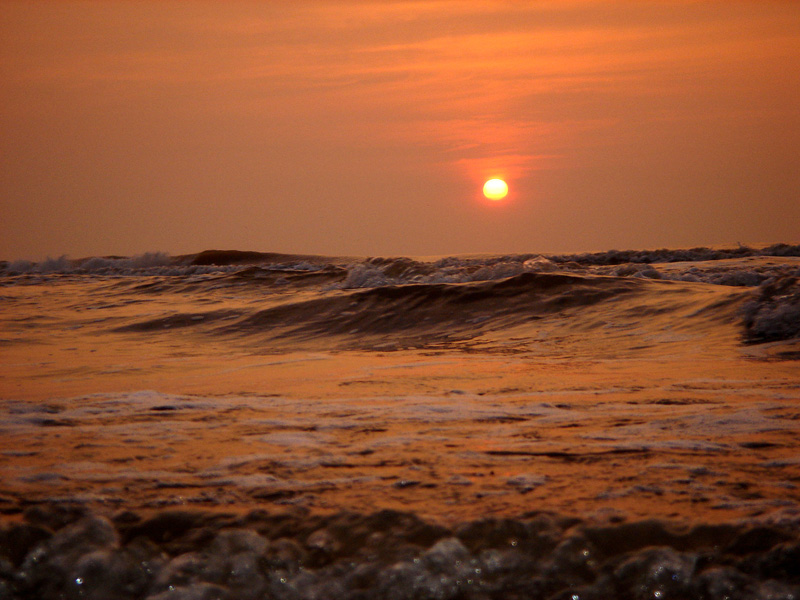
495	189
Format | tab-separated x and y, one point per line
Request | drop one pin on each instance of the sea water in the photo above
612	381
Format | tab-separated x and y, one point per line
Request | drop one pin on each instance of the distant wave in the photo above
379	271
664	255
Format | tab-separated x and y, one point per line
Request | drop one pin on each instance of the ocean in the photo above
245	425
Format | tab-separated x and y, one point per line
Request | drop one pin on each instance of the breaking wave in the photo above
774	314
425	313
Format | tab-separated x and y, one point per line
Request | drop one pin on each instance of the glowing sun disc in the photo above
495	189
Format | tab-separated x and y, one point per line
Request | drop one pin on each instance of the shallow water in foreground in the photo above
63	553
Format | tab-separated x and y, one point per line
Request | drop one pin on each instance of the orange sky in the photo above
368	127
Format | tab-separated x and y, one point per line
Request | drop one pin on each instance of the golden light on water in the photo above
495	189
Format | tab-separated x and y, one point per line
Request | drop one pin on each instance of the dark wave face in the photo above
306	309
420	313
